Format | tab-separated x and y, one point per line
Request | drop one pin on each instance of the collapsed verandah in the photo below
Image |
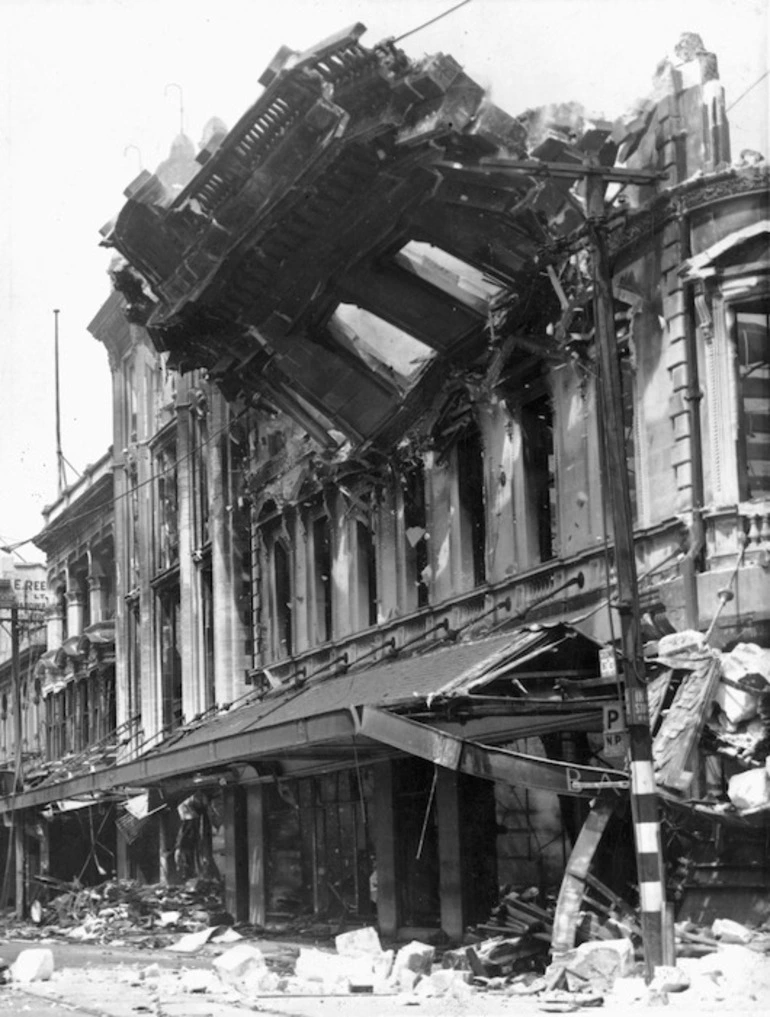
469	699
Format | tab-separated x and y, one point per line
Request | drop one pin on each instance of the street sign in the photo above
608	662
615	732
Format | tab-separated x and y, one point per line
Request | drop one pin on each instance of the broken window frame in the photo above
366	583
540	484
749	386
414	509
199	470
279	590
469	467
168	612
320	576
166	516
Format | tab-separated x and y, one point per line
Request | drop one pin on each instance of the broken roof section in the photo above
326	197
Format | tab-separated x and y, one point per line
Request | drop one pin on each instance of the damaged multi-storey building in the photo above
364	618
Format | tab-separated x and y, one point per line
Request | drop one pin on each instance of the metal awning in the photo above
322	720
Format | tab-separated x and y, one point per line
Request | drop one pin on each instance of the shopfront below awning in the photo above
295	730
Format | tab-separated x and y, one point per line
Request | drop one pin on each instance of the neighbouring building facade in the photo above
363	576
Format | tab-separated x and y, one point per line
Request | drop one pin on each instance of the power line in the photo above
741	96
150	480
432	21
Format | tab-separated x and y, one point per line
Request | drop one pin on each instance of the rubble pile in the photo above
149	915
722	700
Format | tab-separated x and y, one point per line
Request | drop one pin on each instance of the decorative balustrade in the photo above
755	519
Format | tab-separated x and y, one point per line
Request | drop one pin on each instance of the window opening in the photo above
415	526
170	656
752	350
207	623
168	528
367	574
537	431
322	578
470	480
282	587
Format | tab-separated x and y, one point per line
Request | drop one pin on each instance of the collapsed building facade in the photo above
364	570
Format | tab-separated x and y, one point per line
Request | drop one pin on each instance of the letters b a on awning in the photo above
489	762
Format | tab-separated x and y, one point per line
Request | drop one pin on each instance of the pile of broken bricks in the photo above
593	973
121	910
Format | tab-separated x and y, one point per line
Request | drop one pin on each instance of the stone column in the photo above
450	854
255	823
385	849
236	853
75	606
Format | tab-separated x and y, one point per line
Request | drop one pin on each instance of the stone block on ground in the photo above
669	979
328	970
599	963
728	931
444	982
33	966
238	962
358	942
198	980
415	956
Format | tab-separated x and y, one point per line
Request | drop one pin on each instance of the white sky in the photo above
82	80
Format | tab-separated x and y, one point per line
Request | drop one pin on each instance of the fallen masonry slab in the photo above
33	966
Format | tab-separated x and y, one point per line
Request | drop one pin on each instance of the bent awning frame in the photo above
487	761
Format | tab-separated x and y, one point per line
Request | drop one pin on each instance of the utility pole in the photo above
61	479
18	779
644	800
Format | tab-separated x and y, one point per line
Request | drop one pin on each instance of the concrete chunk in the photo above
33	966
598	962
358	942
669	979
728	931
415	956
239	961
750	790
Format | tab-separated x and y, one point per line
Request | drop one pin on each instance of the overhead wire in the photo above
86	514
432	21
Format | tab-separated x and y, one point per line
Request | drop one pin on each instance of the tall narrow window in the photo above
537	438
752	352
322	578
282	592
134	658
470	481
167	544
170	656
366	575
207	634
415	531
199	468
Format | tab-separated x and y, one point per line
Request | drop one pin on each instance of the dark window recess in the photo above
322	578
282	586
168	522
416	828
537	432
470	480
134	659
207	622
367	575
752	349
170	656
415	527
61	603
